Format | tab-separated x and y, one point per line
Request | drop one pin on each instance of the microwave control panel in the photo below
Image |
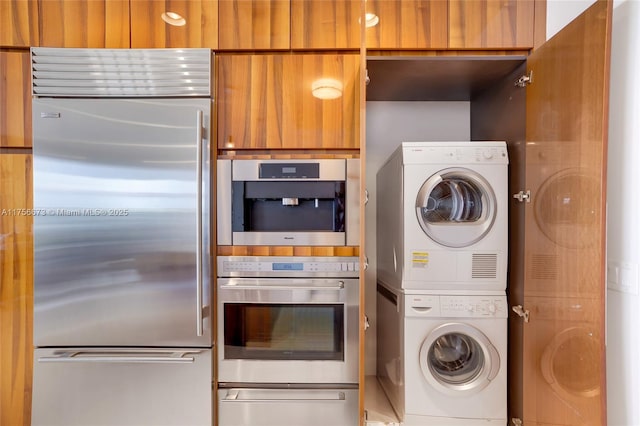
269	266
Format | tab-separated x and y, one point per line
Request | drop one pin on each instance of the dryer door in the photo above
458	359
456	207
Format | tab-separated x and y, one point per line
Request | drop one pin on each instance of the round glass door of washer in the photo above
452	201
458	359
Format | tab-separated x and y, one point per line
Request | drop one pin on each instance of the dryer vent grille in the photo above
484	266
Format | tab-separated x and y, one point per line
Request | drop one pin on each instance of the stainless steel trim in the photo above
248	170
257	395
261	285
199	284
116	357
223	203
353	202
64	72
289	238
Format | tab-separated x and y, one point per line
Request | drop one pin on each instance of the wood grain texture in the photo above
84	23
408	24
18	23
15	99
325	24
491	24
148	30
286	251
564	284
265	102
254	24
16	291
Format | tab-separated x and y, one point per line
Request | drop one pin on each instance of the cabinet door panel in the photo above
310	122
491	24
19	23
254	24
408	24
16	291
82	23
564	279
325	24
15	99
148	29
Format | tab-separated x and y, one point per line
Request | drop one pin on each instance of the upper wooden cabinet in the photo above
253	24
491	24
325	24
266	101
407	24
18	23
154	23
15	99
83	23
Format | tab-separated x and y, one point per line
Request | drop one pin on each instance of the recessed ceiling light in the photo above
174	19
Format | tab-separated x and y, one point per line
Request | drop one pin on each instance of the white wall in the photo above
389	124
561	12
623	226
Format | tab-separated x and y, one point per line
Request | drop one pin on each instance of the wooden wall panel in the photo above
149	30
265	102
18	23
491	24
15	99
84	23
325	24
254	24
16	291
408	24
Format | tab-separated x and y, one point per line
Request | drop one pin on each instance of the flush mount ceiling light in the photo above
326	88
371	20
173	18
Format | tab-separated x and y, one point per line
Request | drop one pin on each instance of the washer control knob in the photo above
487	155
470	307
492	308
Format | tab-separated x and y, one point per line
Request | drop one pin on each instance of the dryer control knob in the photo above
492	308
488	155
470	307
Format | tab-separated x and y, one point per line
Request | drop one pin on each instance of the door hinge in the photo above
521	312
366	323
516	421
523	196
525	79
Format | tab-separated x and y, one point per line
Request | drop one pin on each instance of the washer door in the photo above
458	359
456	207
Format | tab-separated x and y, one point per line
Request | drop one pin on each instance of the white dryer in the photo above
450	367
442	220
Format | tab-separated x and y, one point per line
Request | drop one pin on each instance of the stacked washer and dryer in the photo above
442	243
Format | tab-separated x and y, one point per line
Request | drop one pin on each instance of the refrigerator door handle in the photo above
109	357
199	245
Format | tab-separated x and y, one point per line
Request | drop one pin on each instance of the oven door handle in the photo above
338	286
258	395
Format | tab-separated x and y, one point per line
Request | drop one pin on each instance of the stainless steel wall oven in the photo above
288	202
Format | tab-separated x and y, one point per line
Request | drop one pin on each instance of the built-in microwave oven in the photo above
288	202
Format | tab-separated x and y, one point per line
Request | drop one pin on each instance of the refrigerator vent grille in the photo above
127	73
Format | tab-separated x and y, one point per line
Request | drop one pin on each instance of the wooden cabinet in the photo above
198	27
82	23
325	24
19	23
15	99
16	291
407	24
254	24
491	24
266	101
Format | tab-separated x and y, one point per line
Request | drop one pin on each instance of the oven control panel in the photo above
273	266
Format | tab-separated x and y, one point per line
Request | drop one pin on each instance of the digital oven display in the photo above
289	171
286	267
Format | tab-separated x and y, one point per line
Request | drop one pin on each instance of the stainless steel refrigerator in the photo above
122	287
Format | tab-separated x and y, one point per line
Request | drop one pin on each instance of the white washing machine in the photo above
442	220
448	363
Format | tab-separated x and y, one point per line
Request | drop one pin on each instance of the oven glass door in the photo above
278	331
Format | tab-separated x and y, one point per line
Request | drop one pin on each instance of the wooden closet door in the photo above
19	23
254	24
491	24
16	288
15	99
83	23
564	266
149	30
